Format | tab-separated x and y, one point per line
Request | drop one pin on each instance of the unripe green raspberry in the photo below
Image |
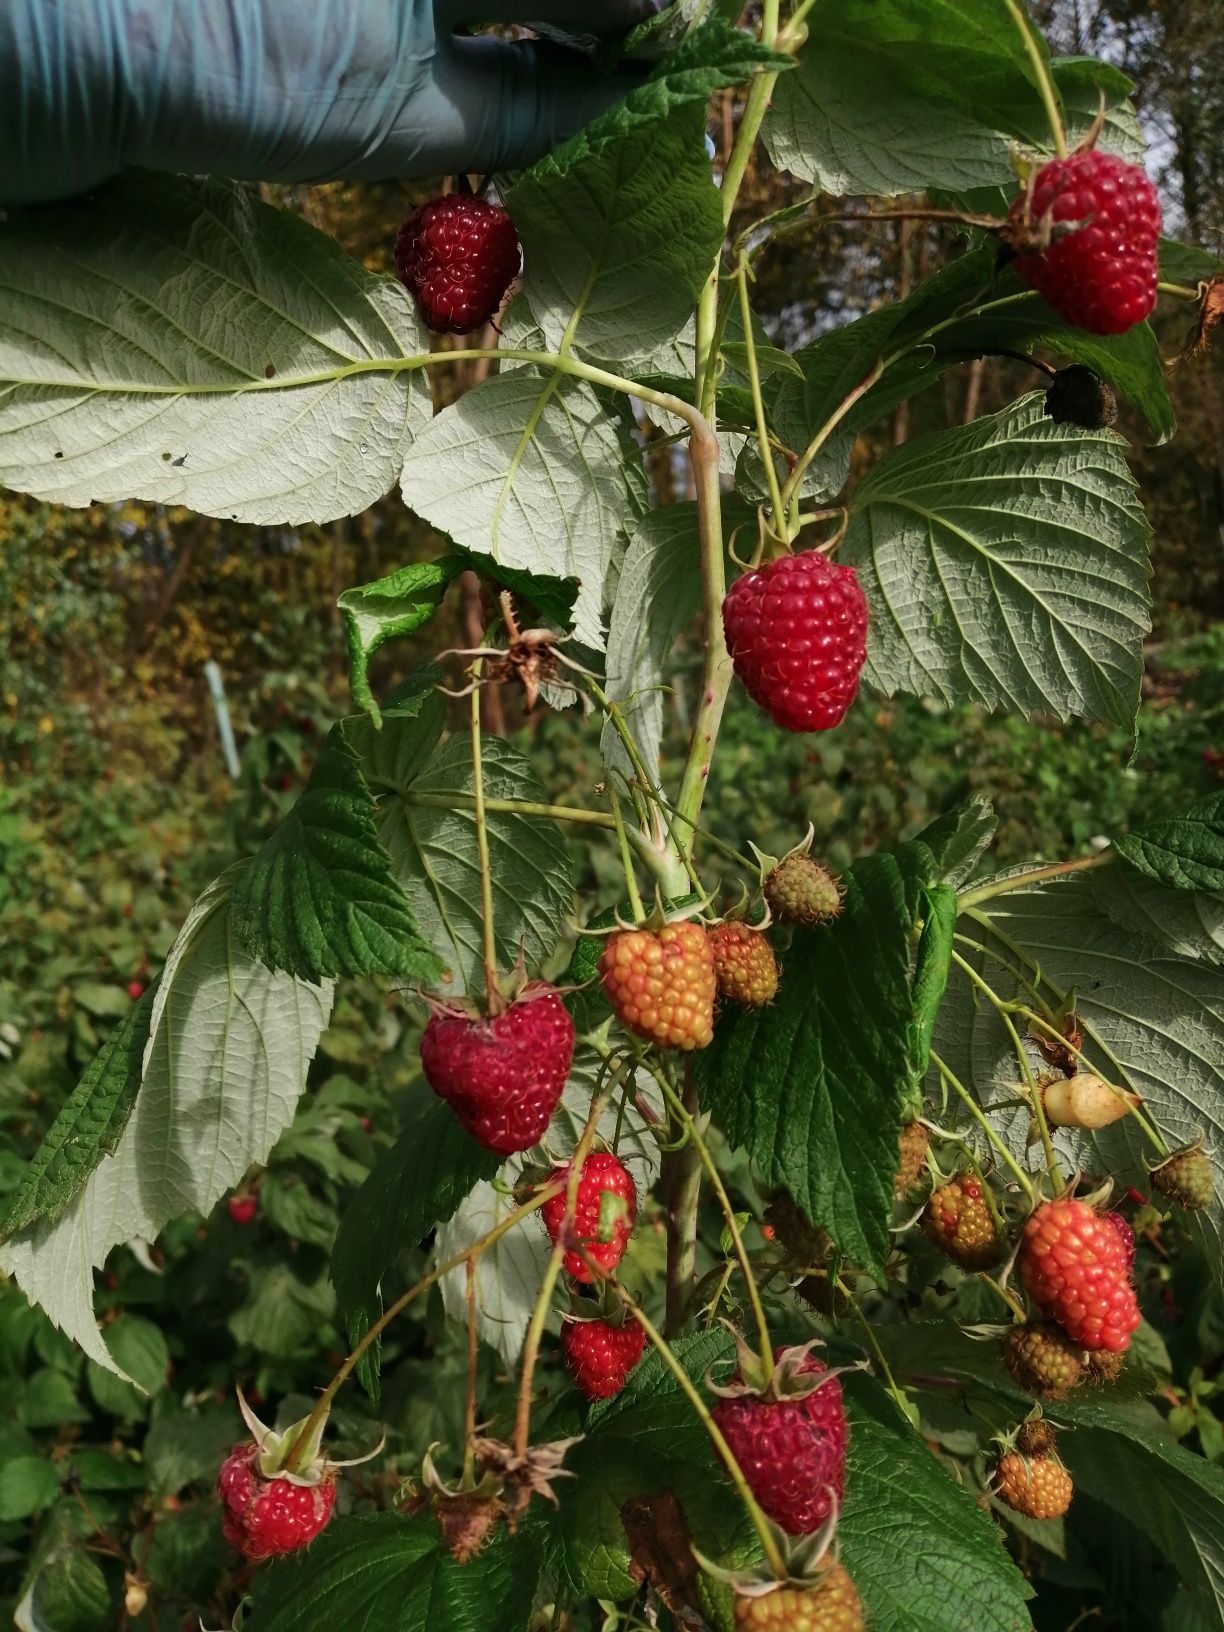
1043	1360
801	891
1186	1178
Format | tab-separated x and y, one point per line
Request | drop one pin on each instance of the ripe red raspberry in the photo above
1075	1268
600	1355
263	1517
1186	1179
457	255
1043	1360
662	984
912	1150
1125	1234
829	1604
958	1220
796	629
502	1077
1099	268
135	990
602	1229
242	1209
790	1444
744	963
1037	1486
801	891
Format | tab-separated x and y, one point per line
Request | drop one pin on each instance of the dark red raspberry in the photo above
791	1446
1076	1268
242	1208
1124	1233
603	1232
1099	267
263	1517
797	633
457	256
502	1077
601	1355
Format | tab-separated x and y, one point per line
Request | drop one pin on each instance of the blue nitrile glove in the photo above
287	90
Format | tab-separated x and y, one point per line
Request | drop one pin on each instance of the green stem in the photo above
1002	1009
768	1545
374	1332
1013	1303
681	1114
460	799
716	668
758	403
790	493
1035	875
979	1116
873	1343
759	94
469	1413
1041	68
543	1303
493	993
635	900
1179	291
680	1181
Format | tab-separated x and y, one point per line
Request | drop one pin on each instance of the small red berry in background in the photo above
796	629
242	1208
457	256
135	990
1099	268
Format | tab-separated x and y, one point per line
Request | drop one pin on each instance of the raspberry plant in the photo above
182	342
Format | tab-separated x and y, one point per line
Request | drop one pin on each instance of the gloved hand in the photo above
287	90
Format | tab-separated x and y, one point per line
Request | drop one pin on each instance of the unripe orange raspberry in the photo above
661	984
1037	1486
744	963
958	1220
830	1604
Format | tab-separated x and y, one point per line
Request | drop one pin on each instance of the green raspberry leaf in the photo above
320	899
373	1571
1006	563
88	1127
814	1086
428	829
632	189
191	345
1185	850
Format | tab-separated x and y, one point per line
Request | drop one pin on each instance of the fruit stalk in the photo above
543	1303
769	1545
1041	71
493	993
375	1331
680	1177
